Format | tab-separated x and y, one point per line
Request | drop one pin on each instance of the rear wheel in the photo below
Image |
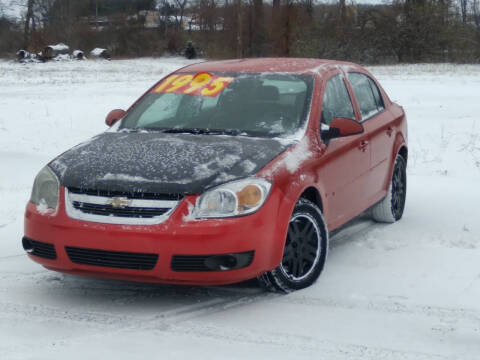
304	253
390	209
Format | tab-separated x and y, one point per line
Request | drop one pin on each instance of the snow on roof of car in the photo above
269	65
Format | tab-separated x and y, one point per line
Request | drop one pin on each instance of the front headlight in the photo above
45	189
235	198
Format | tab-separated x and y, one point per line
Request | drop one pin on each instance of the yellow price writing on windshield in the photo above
201	84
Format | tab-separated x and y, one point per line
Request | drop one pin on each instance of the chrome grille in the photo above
130	195
126	209
107	210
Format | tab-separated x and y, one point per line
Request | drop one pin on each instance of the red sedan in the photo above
224	171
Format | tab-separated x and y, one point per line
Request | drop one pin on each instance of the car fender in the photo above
397	145
291	196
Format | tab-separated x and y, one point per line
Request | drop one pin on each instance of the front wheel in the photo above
390	209
305	251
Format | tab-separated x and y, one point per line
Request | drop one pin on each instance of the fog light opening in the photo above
27	245
221	262
228	262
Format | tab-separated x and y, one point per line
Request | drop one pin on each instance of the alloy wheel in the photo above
399	185
302	247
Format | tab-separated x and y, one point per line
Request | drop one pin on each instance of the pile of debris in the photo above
101	53
60	52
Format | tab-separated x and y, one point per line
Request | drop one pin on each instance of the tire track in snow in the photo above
164	319
179	322
11	256
100	322
394	307
330	350
353	230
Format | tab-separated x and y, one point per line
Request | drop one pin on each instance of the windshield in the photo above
265	105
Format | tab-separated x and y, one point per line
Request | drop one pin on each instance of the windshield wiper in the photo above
199	131
195	131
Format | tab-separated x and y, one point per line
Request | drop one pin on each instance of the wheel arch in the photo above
271	280
399	148
403	151
311	193
307	191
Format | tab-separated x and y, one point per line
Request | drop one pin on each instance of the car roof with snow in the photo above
291	65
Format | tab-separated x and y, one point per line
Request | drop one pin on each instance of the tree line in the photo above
400	31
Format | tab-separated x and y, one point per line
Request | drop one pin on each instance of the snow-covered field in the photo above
406	291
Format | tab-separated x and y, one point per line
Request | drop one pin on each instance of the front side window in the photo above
367	94
264	105
336	101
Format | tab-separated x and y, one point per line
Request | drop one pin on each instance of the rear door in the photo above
378	124
344	166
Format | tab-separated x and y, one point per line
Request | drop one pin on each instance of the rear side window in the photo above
367	93
376	95
336	101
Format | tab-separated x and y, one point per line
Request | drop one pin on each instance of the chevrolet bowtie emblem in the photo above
119	202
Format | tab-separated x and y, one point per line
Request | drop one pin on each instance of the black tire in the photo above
390	209
305	251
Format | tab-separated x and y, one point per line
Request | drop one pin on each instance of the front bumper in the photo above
261	235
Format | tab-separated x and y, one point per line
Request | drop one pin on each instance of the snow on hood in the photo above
163	163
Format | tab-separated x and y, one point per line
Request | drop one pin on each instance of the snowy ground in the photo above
405	291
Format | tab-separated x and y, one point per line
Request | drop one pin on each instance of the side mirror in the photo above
340	127
113	116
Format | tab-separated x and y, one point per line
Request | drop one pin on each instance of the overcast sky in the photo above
12	8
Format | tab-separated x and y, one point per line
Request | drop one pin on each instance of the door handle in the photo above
363	145
389	131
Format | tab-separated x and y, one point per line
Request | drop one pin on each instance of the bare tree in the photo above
276	27
476	14
464	10
239	29
181	5
258	29
28	19
343	10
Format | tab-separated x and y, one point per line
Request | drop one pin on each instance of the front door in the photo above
343	168
377	122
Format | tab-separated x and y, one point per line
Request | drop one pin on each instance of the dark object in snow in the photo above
22	55
51	51
190	52
78	55
101	53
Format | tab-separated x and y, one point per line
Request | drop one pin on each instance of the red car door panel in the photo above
381	133
344	171
344	167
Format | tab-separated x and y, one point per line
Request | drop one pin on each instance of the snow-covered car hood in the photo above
162	163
